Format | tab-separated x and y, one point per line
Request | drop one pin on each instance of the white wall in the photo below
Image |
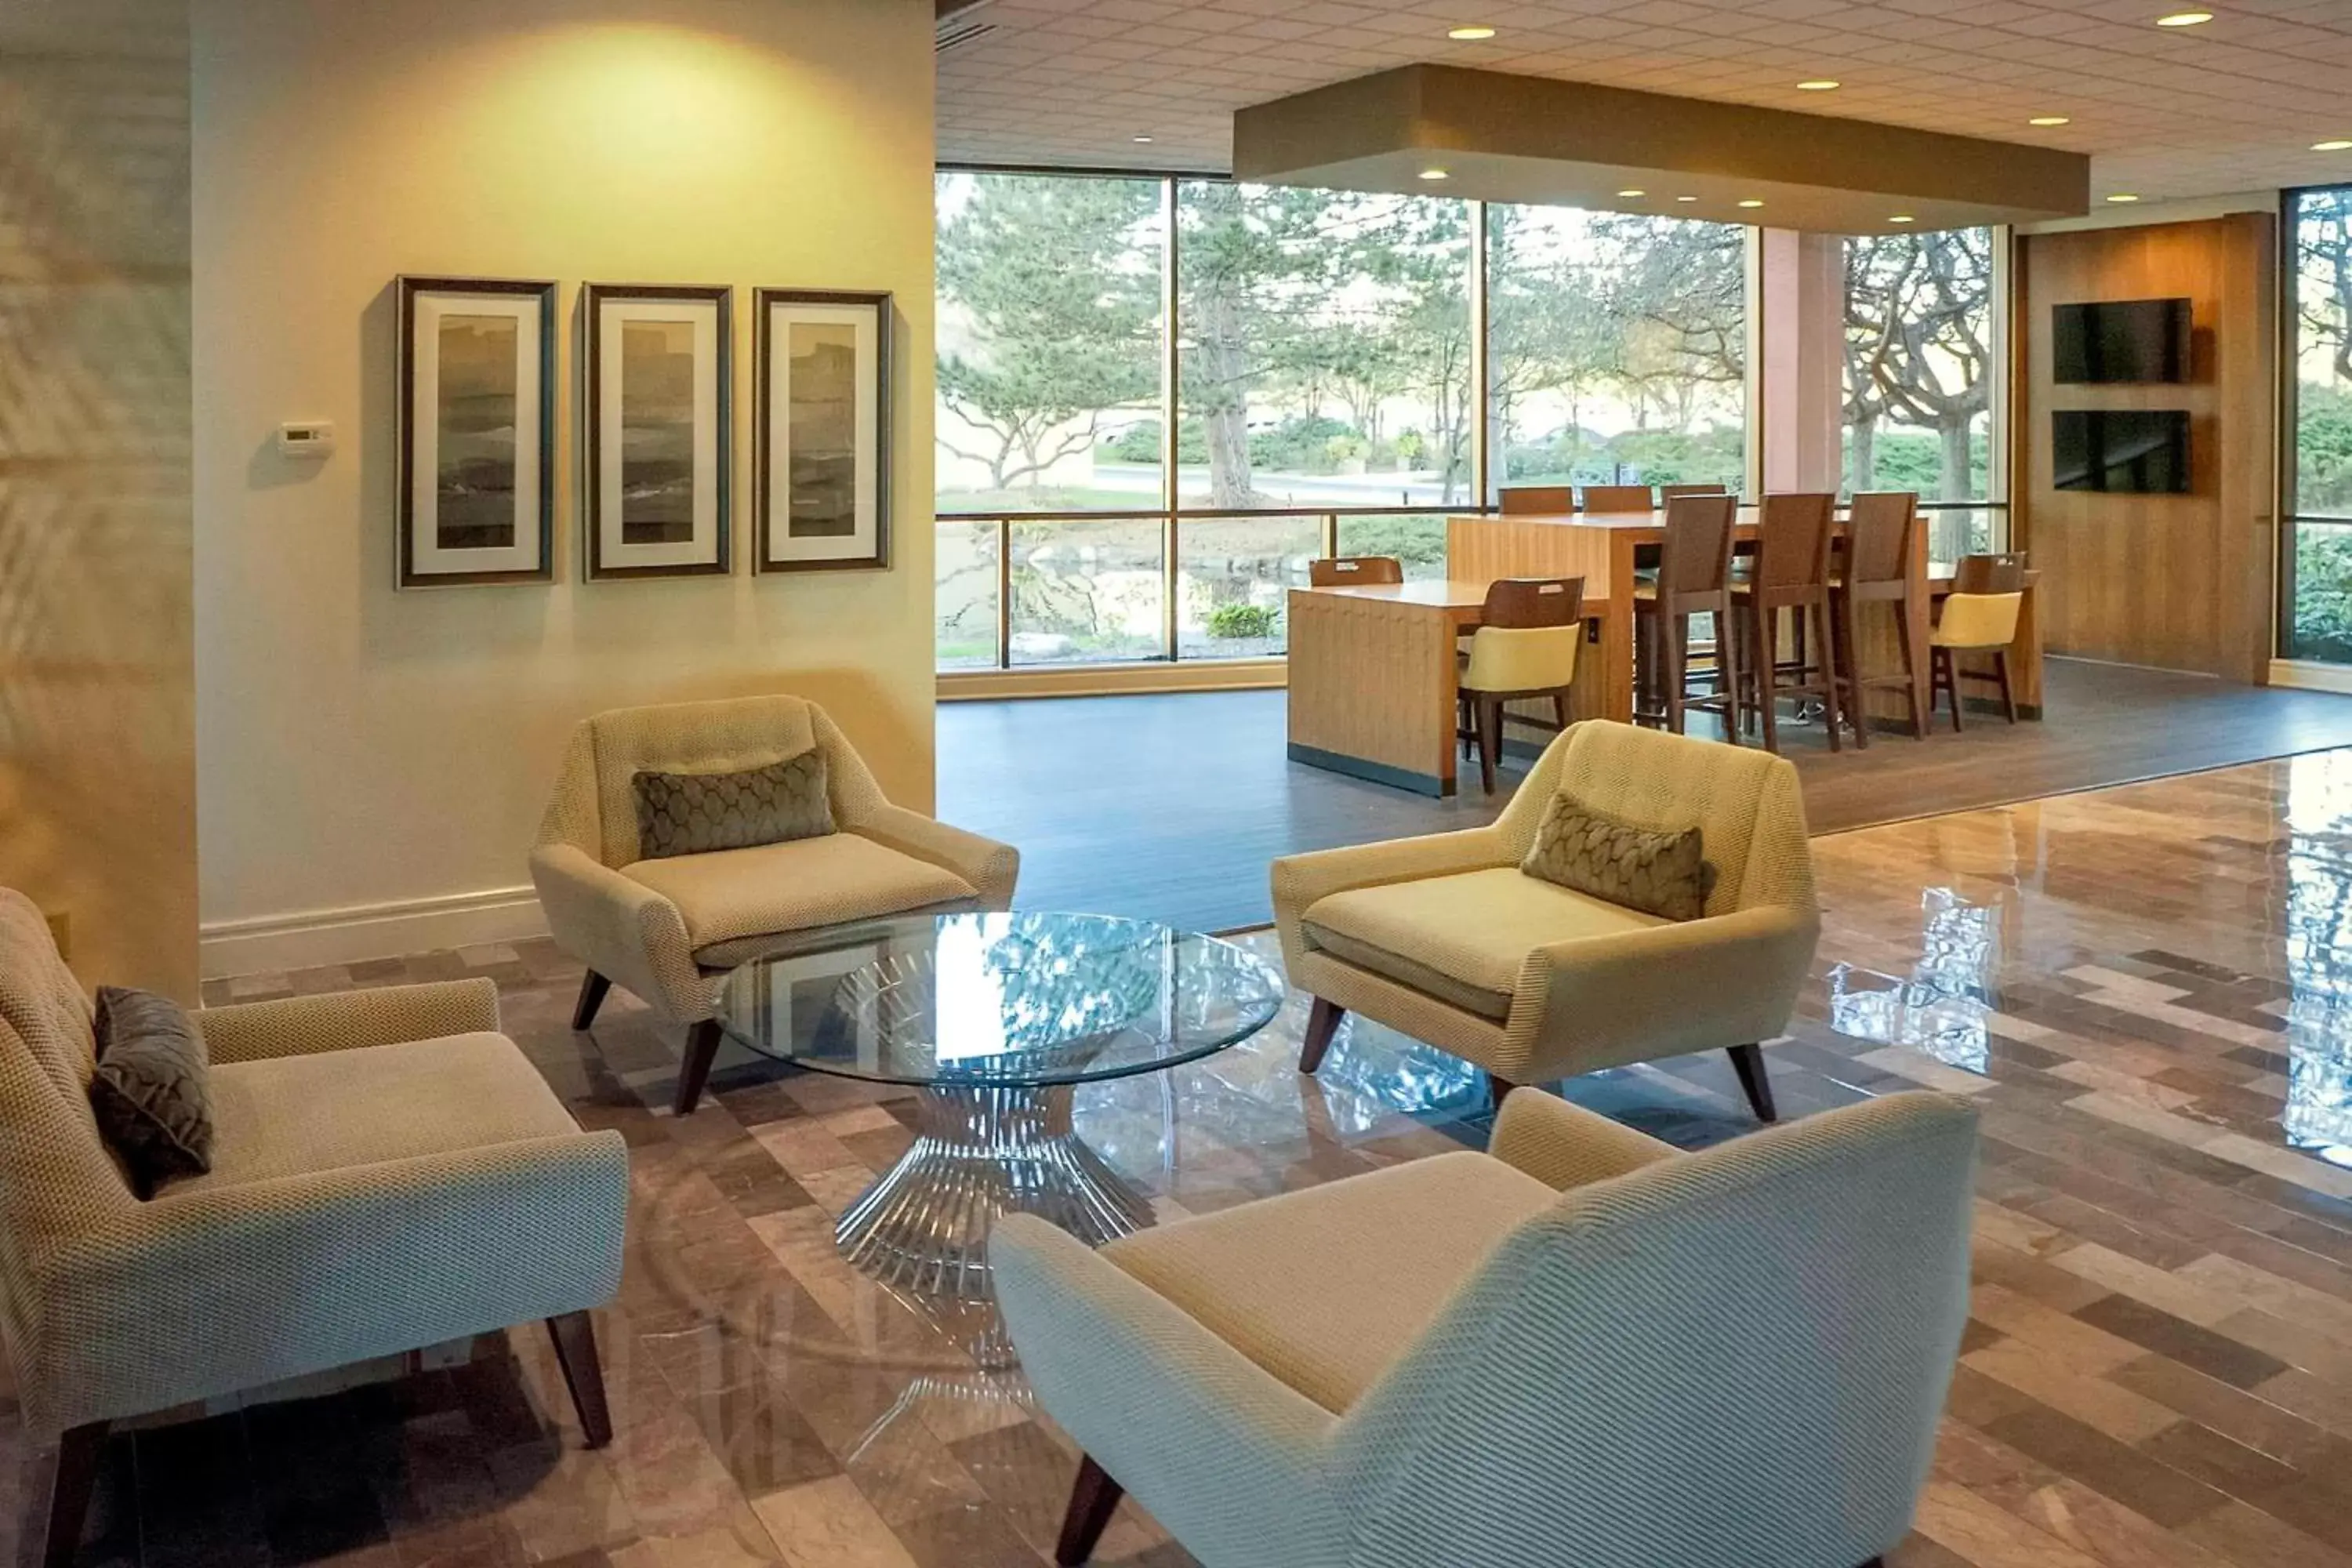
371	764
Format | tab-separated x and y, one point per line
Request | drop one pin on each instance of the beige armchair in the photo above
388	1172
1581	1348
667	929
1447	939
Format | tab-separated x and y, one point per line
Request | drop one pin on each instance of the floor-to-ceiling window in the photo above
1923	358
2317	616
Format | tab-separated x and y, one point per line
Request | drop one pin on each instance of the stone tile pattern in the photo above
2157	1371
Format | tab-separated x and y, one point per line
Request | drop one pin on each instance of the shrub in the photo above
1232	623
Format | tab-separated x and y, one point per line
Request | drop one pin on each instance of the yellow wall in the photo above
386	754
97	780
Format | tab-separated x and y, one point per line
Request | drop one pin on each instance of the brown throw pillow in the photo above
694	814
1663	874
150	1093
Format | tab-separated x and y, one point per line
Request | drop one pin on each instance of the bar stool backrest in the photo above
1990	574
1668	492
1618	499
1881	537
1696	556
1354	570
1792	547
1524	602
1540	500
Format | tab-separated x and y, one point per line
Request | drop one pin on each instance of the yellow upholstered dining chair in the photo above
1530	630
1581	1347
668	926
1450	939
1979	616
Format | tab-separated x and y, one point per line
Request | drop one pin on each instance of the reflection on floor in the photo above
2142	989
1170	807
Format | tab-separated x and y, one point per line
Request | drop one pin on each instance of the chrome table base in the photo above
922	1227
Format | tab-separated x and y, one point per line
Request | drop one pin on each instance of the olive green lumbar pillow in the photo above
694	814
149	1092
1658	873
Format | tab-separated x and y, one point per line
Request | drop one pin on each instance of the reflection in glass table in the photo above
995	1018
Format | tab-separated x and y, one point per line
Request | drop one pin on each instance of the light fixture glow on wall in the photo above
2185	19
1469	35
1821	84
2048	119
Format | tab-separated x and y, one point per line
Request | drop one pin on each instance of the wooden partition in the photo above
2181	582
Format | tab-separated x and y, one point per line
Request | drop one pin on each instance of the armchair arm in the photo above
991	868
1564	1145
1726	980
342	1021
623	930
1236	1462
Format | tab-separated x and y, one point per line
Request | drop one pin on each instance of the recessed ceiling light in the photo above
1634	193
1469	35
1821	84
1138	138
2123	196
1751	202
2049	119
1902	218
2185	19
1686	198
2336	146
1433	174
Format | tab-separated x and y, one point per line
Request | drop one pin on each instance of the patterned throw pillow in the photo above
1663	874
150	1093
694	814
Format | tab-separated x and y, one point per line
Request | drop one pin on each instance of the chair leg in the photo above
1857	702
1951	663
1560	709
1322	1022
1490	741
1092	1502
1749	1063
1825	635
1911	673
694	1072
2000	672
593	987
1766	654
1674	641
1498	1087
52	1525
575	1334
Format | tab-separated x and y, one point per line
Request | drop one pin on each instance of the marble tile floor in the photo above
2144	989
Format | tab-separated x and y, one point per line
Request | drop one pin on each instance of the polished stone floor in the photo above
2142	988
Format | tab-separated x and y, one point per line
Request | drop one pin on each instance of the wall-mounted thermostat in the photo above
307	438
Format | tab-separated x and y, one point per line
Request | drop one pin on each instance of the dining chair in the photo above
1618	499
1694	579
1882	560
1355	571
1979	616
1525	648
1792	573
1536	500
1668	492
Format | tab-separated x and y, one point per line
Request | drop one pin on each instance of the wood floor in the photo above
2143	989
1170	807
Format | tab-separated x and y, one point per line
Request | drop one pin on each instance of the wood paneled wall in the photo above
96	692
2179	581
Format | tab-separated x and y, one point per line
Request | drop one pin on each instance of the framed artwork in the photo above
659	444
823	445
476	420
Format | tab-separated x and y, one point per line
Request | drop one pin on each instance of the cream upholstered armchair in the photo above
388	1172
1447	939
1581	1348
666	929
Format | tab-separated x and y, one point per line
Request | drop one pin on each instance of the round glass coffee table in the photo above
995	1018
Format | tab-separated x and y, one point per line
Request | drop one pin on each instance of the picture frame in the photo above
657	431
823	450
477	428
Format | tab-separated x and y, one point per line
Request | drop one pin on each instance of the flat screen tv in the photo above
2129	450
2125	340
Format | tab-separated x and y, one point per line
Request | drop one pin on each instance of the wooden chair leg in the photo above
1560	709
1919	721
1322	1022
1749	1063
575	1334
1825	636
701	1048
1730	667
1497	1087
593	987
1675	645
1857	704
1767	654
1948	666
1093	1500
1490	741
52	1524
2000	672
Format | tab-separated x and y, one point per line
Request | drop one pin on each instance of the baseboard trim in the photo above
271	944
2310	674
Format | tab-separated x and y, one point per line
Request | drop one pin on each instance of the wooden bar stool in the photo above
1536	500
1979	616
1354	570
1694	579
1882	560
1619	498
1792	573
1526	645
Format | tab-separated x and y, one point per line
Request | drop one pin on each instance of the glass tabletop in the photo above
1024	999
